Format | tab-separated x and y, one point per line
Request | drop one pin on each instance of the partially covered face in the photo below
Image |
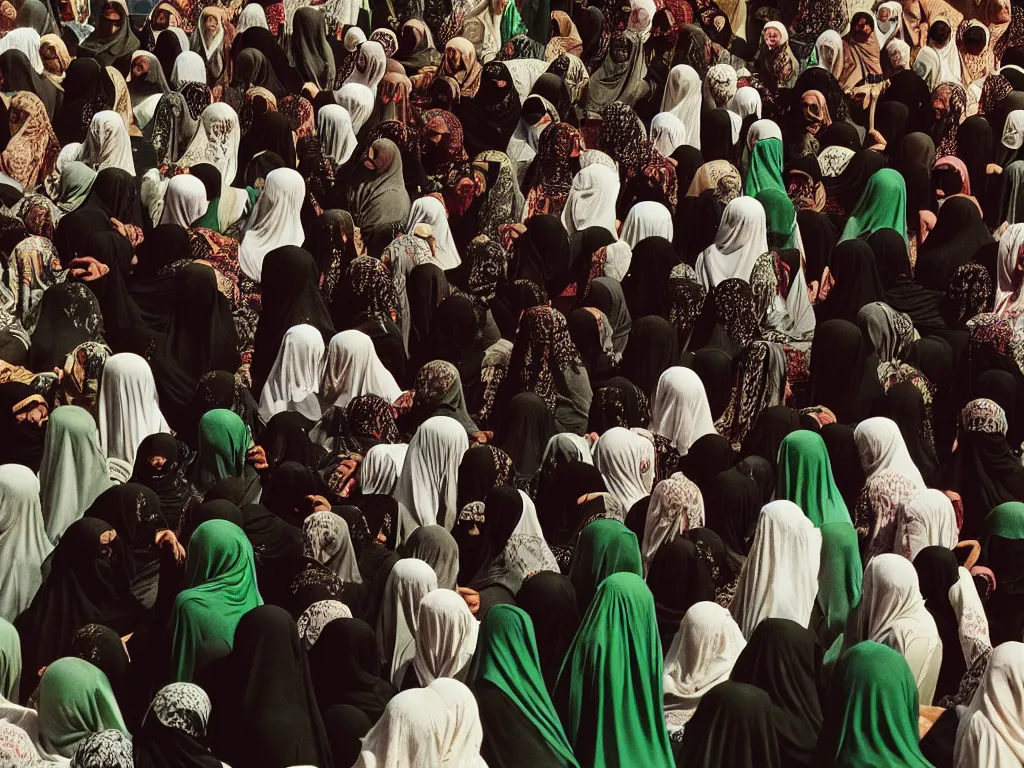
211	24
772	37
140	68
51	61
883	15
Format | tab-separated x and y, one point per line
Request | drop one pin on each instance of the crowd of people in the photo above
467	383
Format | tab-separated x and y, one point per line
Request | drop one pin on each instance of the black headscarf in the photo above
133	510
264	709
678	578
345	668
845	460
653	347
937	571
167	49
263	41
784	660
176	495
958	235
716	137
491	116
87	90
313	56
1006	389
901	292
819	237
524	430
270	132
732	504
111	50
19	75
202	335
69	315
708	456
153	285
649	270
733	726
253	69
857	282
550	601
904	404
770	429
22	441
844	375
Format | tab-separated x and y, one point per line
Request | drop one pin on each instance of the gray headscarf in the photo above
436	547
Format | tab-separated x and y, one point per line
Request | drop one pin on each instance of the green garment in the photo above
211	219
871	712
609	692
512	23
605	547
839	578
507	657
10	661
220	587
1005	521
780	215
805	478
224	440
765	167
75	700
882	205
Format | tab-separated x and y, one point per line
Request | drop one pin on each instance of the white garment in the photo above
972	624
411	732
747	101
880	446
779	580
107	144
252	15
829	47
371	65
892	612
950	69
446	636
352	369
430	210
294	380
184	201
702	655
926	519
408	583
591	200
626	461
274	220
188	68
991	730
1013	130
646	219
337	139
326	539
358	100
683	97
129	408
569	444
680	410
1010	272
73	471
26	40
382	468
597	157
427	490
928	66
676	506
526	552
146	109
216	141
23	542
891	29
741	240
464	734
668	133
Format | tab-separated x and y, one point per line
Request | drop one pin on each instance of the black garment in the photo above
87	90
479	472
510	739
695	224
286	438
904	404
312	55
18	75
561	517
22	441
69	315
708	456
550	601
644	284
908	88
122	319
73	231
286	489
264	711
524	430
733	726
269	132
291	296
503	508
543	246
426	289
1005	389
202	335
891	120
87	584
653	347
976	147
819	237
133	510
176	495
220	389
263	41
959	234
346	726
491	116
1005	607
714	367
845	461
277	549
716	138
115	193
848	186
985	474
857	282
153	285
902	293
784	660
345	667
678	578
732	504
937	571
167	50
844	371
253	69
617	403
770	429
111	50
102	647
158	745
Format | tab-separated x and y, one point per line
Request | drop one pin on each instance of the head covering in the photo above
805	478
23	546
173	730
990	728
129	409
680	409
741	240
75	700
407	584
274	221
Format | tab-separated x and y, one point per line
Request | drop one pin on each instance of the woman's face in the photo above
211	24
772	37
862	29
940	105
51	61
883	15
453	59
140	68
368	159
111	18
157	462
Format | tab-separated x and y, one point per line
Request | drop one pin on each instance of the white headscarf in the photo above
446	636
382	468
26	40
991	731
829	48
358	100
591	200
928	65
684	98
337	139
129	409
761	130
667	133
747	101
680	410
185	200
352	369
107	144
427	490
1009	291
465	733
779	580
950	66
676	506
430	210
188	68
926	519
412	731
408	583
216	142
880	445
646	219
741	240
294	380
326	540
274	220
73	472
702	655
252	15
526	552
23	542
626	460
891	29
371	65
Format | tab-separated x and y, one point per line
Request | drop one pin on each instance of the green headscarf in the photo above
1005	521
839	578
765	167
805	478
609	692
882	205
512	23
10	661
780	215
871	712
507	657
220	587
75	700
605	547
224	440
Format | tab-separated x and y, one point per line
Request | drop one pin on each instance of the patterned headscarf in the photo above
734	305
623	137
984	416
949	99
721	83
371	281
995	89
182	707
970	291
555	163
32	151
33	267
300	114
487	271
106	749
173	128
543	346
372	418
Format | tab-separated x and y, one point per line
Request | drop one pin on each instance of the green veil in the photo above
75	700
882	205
805	478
